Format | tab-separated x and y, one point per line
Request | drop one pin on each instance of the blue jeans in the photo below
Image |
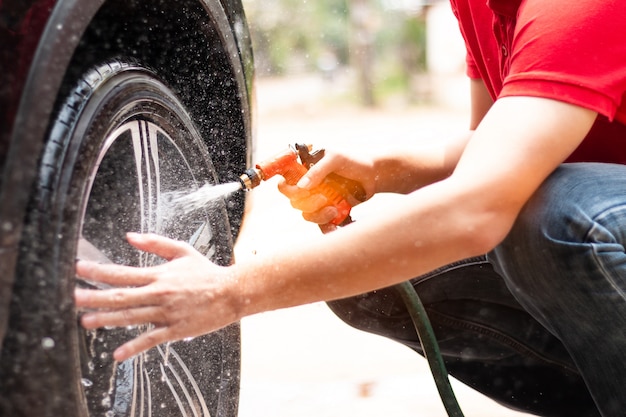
539	323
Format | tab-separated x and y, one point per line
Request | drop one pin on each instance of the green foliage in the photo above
401	54
299	35
294	34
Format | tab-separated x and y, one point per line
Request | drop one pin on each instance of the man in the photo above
539	322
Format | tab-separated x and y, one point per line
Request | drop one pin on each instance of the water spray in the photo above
186	202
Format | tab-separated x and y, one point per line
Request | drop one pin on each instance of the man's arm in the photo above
517	145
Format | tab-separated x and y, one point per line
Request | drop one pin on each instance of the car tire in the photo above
121	144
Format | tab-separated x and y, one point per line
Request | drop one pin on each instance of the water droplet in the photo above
104	355
47	343
86	382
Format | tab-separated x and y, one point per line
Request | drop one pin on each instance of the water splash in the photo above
185	202
47	343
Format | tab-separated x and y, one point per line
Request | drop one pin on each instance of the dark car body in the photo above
46	44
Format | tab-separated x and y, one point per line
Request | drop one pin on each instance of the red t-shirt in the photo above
572	51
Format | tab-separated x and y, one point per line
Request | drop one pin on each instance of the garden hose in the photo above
430	347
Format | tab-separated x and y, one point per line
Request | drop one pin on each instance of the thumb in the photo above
159	245
316	174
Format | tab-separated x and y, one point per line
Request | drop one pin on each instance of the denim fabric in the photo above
565	263
539	324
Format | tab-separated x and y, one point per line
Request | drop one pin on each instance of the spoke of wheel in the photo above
149	389
152	133
133	405
135	131
150	158
181	383
193	382
146	151
174	393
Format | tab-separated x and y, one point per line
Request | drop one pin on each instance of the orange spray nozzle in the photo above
292	164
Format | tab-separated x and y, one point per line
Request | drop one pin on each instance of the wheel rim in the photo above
156	157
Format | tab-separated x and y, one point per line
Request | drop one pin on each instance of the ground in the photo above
303	361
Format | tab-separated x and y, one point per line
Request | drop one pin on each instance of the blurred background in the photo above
390	50
344	73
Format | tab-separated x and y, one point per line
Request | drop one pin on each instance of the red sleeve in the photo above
573	51
471	68
482	50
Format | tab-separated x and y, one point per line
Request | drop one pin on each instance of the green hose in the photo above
430	347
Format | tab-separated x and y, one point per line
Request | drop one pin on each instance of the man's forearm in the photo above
423	233
404	171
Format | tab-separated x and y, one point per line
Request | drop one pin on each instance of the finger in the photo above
113	299
118	275
312	203
123	318
159	245
292	191
141	343
303	200
323	216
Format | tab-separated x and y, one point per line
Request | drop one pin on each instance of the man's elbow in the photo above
486	229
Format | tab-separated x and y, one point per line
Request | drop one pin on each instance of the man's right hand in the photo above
314	206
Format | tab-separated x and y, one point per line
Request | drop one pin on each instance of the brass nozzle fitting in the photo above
251	178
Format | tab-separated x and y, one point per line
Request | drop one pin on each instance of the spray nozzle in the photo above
251	178
292	163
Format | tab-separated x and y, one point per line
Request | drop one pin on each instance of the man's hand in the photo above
186	297
314	205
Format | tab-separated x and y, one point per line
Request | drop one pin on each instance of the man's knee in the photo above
578	212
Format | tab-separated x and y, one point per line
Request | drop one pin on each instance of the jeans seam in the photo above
497	336
606	273
594	248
